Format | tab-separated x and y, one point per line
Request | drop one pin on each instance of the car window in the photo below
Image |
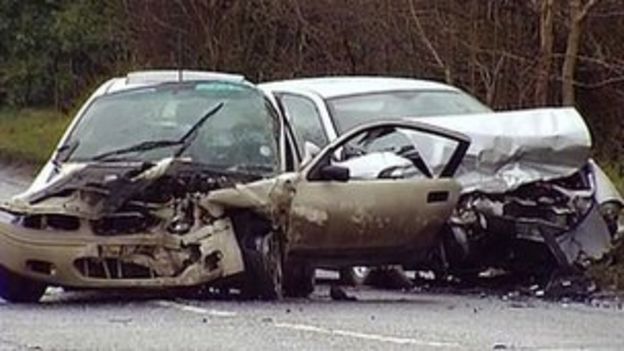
352	111
305	119
244	132
394	153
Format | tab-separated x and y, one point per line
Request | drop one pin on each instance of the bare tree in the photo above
579	10
430	46
544	64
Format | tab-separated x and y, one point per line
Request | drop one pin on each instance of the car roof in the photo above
331	87
155	77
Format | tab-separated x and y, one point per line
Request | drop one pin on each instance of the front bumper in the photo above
83	260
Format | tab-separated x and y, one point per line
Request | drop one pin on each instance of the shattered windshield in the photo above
351	111
233	126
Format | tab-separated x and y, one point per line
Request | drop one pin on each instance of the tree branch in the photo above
585	10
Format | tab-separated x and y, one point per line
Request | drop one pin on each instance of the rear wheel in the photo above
17	289
389	277
354	276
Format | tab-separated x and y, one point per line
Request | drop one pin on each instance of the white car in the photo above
531	198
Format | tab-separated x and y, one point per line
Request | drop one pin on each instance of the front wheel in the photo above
17	289
298	279
263	266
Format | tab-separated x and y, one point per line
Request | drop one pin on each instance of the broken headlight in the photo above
123	223
49	222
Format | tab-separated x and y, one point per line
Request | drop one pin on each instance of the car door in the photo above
305	119
339	210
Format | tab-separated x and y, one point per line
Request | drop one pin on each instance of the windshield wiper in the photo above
185	140
143	146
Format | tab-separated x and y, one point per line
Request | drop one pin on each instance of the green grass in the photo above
30	135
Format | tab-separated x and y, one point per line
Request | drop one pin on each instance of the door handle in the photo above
437	196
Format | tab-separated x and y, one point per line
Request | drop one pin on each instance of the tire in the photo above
389	277
354	276
263	266
298	279
17	289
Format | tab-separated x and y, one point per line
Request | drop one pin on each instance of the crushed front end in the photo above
122	203
104	226
535	229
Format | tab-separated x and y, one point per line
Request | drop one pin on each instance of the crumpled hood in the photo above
89	190
510	149
95	190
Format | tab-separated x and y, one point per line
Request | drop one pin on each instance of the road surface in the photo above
378	320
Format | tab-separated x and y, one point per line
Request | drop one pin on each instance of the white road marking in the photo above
366	336
312	328
196	310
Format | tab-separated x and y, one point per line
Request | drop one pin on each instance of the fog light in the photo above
41	267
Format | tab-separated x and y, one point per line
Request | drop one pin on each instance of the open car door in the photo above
370	196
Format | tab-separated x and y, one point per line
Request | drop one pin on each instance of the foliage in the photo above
51	49
25	43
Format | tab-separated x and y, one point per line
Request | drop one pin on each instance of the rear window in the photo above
351	111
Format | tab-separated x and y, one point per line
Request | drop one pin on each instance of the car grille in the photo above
112	268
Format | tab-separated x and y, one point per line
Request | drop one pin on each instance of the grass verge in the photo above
28	136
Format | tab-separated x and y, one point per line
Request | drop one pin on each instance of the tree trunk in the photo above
544	63
448	77
578	13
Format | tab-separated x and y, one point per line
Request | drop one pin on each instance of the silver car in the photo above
532	198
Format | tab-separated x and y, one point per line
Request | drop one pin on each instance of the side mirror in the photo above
337	173
310	151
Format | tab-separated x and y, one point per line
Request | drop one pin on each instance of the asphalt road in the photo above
378	320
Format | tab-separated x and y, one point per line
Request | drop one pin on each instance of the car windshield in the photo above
239	131
351	111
